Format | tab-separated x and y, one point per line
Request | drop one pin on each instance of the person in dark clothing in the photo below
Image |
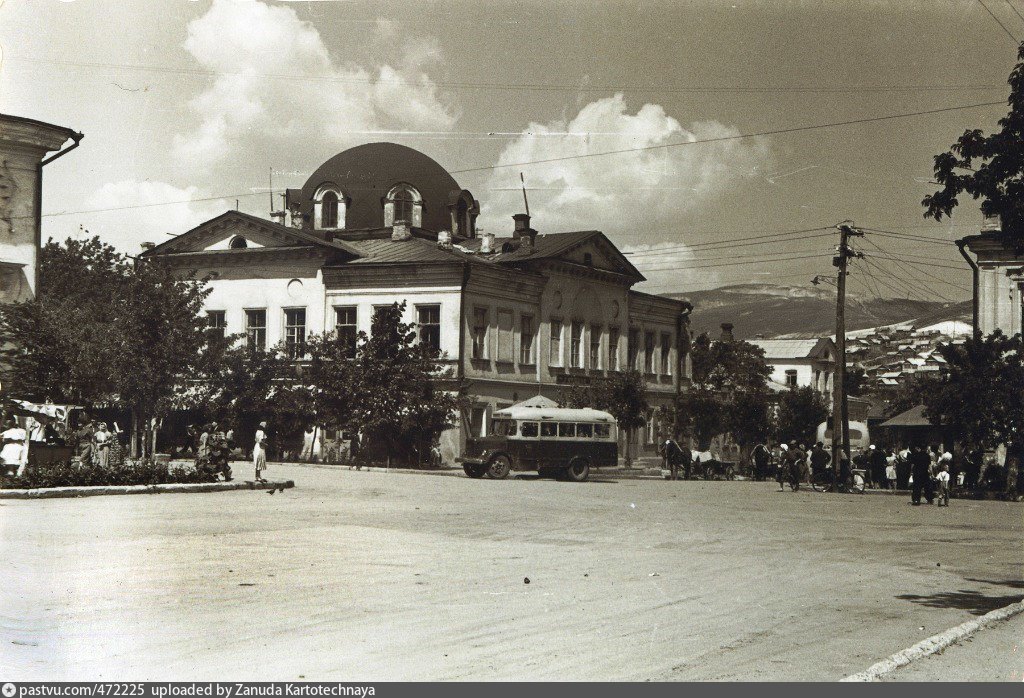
795	458
876	457
920	471
676	457
762	461
820	459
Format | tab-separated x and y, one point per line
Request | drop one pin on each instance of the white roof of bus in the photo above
559	414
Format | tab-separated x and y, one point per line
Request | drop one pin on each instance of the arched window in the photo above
329	210
329	206
239	243
403	203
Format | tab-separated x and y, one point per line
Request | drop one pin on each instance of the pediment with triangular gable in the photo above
598	252
235	230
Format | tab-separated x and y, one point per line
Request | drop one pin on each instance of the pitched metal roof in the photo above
791	348
914	417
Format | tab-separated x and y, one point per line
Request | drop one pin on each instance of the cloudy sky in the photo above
187	106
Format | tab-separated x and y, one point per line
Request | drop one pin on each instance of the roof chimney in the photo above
486	243
400	231
991	223
522	224
726	332
444	240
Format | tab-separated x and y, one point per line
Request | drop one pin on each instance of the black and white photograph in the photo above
347	343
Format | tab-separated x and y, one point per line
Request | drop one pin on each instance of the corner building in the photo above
516	314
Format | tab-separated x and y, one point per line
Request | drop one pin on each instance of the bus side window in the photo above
548	429
585	431
529	430
602	431
567	429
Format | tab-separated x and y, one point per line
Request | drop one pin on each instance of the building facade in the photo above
998	280
515	315
24	144
800	362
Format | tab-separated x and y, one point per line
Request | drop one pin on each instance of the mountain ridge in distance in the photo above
772	310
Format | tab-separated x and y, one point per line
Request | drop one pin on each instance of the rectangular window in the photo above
595	347
428	317
548	429
602	431
576	345
506	338
666	353
567	429
295	332
345	326
791	378
613	349
216	324
256	329
648	352
585	431
555	358
529	430
633	350
479	333
526	340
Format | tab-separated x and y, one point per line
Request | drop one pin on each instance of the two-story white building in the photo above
518	314
998	280
800	362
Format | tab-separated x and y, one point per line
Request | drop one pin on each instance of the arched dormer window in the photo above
464	210
328	208
238	243
403	203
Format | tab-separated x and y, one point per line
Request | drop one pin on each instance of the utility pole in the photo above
840	410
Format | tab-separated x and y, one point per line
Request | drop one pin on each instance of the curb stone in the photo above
66	492
936	643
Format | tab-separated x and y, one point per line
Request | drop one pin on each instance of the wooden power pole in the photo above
840	412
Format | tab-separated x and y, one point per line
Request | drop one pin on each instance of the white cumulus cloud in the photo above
248	105
129	213
638	198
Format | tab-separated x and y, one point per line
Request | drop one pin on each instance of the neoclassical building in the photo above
516	314
998	280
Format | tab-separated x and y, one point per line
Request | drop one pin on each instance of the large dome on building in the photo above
378	183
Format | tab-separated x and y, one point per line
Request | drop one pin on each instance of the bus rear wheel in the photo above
499	468
578	470
474	471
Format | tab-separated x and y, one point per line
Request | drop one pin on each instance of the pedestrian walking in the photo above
819	460
762	460
890	471
943	482
14	438
795	463
259	452
782	466
877	461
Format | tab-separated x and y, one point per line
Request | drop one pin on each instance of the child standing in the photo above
890	472
943	482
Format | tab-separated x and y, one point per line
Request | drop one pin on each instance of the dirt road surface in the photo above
359	576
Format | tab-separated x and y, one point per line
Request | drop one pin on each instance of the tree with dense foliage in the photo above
801	410
980	396
399	398
990	168
729	394
104	330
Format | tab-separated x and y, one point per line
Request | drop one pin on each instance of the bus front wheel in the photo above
500	467
578	470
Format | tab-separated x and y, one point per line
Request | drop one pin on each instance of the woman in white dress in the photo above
259	452
12	454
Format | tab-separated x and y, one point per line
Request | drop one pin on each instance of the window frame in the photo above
420	308
479	349
296	350
555	349
214	329
350	327
576	358
594	359
614	338
526	346
649	345
250	329
666	354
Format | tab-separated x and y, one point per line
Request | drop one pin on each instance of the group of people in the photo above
213	444
97	445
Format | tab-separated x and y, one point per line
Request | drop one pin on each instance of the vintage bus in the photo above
554	441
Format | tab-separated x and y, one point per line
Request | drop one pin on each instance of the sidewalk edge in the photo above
936	643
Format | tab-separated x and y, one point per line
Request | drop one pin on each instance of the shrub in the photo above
129	473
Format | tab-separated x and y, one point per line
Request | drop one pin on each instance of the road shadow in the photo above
1012	583
973	602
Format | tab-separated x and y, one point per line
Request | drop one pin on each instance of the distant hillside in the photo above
769	310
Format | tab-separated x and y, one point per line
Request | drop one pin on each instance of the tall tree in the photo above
623	395
403	396
801	410
990	168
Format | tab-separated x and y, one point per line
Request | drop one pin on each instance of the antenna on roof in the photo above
525	200
271	190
